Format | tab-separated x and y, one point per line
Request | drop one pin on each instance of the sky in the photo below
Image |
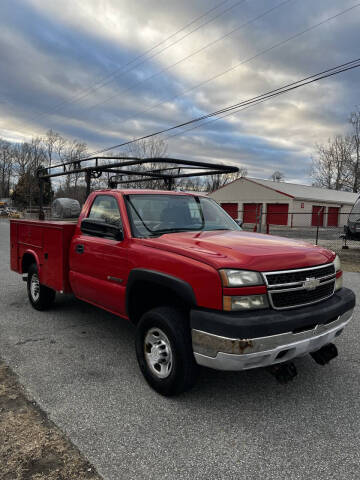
107	71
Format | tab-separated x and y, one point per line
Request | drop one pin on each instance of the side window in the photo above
195	211
105	209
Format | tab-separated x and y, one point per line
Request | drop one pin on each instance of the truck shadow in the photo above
249	387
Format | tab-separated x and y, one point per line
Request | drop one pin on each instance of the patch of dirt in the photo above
31	446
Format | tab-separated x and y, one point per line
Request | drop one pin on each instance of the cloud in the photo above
52	53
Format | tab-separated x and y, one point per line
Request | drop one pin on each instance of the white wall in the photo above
245	191
302	216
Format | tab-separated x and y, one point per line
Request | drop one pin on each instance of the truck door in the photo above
99	266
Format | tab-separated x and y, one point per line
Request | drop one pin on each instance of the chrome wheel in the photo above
35	287
158	353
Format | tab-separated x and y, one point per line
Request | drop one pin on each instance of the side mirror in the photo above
101	229
239	222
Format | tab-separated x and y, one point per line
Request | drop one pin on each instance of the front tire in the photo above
40	296
164	351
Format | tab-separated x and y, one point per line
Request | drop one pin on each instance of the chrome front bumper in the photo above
222	353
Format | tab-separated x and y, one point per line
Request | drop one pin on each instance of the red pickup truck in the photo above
200	290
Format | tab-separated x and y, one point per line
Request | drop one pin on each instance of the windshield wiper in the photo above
216	229
176	230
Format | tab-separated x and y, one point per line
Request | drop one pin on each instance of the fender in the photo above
34	254
180	287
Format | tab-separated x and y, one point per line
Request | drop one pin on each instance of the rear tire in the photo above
164	351
40	296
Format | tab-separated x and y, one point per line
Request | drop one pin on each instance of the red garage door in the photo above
333	217
317	219
251	212
231	209
277	213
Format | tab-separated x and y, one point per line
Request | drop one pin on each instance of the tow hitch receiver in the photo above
325	354
283	372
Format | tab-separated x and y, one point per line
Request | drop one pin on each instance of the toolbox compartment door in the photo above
48	242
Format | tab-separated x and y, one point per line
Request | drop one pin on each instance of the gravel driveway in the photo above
79	364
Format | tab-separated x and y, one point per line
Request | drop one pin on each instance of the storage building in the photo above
280	203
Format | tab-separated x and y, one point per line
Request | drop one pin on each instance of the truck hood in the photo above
240	249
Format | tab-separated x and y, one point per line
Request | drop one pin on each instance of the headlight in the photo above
245	302
339	276
240	278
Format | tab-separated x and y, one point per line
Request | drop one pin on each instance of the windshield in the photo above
355	212
153	215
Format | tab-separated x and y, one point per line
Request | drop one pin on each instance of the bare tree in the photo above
28	157
147	148
214	182
277	176
23	158
37	153
60	148
355	123
72	151
51	142
6	168
332	165
43	152
69	151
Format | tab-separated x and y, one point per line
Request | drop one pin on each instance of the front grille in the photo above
292	288
294	276
302	297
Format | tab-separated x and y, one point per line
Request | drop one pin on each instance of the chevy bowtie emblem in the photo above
311	283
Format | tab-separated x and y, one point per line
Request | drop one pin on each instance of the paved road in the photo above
78	363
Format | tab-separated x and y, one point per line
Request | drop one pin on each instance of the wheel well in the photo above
27	260
147	295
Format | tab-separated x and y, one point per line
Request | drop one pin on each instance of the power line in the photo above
312	27
248	60
250	105
291	86
208	45
265	96
215	119
107	79
154	55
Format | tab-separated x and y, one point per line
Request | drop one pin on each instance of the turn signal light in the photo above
245	302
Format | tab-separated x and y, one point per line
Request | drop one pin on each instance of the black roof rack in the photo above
93	167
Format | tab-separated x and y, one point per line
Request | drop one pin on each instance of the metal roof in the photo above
306	192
